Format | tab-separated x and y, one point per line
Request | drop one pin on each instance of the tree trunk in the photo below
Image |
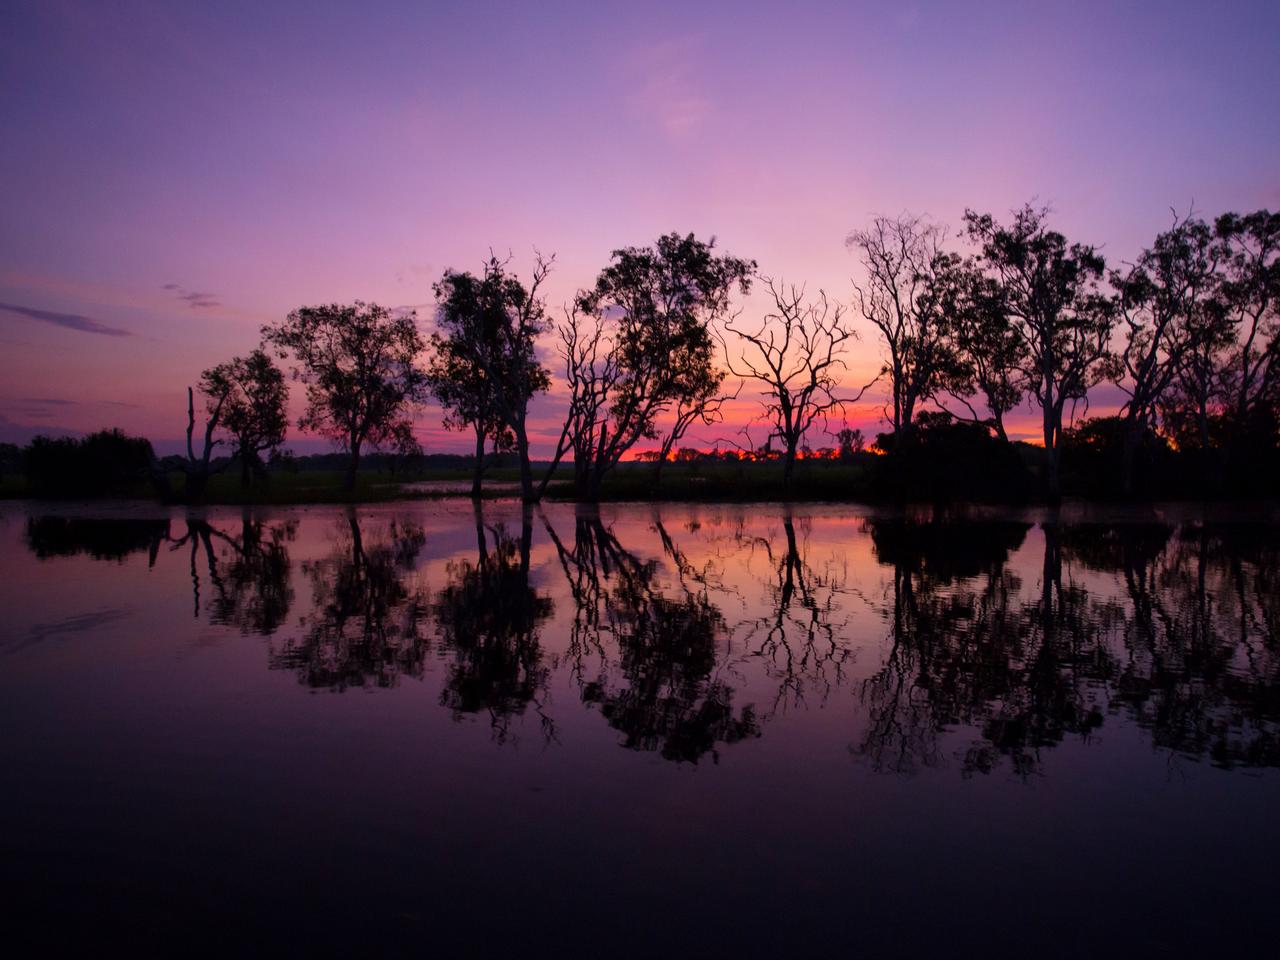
477	477
581	477
1129	456
349	484
527	493
595	480
657	468
998	420
788	468
246	470
1052	481
197	481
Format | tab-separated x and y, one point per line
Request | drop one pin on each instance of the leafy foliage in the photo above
359	365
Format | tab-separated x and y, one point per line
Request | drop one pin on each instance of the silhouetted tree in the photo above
903	297
106	463
700	402
463	391
1251	297
1051	292
197	469
638	343
487	369
796	354
1165	299
251	395
851	443
359	363
987	352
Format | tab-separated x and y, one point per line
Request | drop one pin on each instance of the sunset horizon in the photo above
192	212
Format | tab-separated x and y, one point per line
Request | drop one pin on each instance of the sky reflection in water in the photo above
736	726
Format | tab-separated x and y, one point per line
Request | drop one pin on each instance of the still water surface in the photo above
677	729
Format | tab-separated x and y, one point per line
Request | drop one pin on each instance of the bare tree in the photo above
198	469
703	403
904	262
796	355
589	373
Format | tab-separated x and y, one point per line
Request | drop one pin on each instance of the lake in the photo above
737	729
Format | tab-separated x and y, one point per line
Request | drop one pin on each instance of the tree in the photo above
359	363
639	343
905	266
1050	290
463	391
701	403
487	369
852	443
198	469
253	395
105	463
988	355
1163	299
1251	295
796	355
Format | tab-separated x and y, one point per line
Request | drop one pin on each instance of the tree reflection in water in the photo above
488	617
664	692
1001	644
1201	666
102	538
237	579
801	640
252	589
364	622
966	650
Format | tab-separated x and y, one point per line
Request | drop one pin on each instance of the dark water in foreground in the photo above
717	729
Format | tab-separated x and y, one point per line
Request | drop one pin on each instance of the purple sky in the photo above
175	175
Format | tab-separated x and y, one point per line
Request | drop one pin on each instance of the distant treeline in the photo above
1187	332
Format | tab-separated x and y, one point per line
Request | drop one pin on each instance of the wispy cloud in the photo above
72	321
22	433
667	90
192	298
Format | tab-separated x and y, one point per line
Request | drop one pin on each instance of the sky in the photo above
175	175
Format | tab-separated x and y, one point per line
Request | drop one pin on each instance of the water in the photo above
724	729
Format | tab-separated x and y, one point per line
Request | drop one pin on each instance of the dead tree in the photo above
198	470
905	278
796	354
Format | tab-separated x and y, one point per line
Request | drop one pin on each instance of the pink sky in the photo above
176	178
